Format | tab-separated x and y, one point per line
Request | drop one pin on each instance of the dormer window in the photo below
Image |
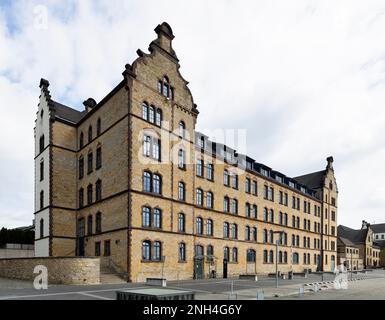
202	142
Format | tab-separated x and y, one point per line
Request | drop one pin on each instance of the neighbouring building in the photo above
363	239
130	180
16	250
349	254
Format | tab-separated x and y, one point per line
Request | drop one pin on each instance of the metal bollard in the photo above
260	295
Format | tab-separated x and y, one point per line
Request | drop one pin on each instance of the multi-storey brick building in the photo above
130	180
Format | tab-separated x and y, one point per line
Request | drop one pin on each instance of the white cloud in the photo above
306	78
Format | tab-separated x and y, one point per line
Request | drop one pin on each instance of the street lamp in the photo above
276	255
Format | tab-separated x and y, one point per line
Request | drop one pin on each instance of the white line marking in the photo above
65	293
95	296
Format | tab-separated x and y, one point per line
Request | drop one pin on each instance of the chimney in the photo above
364	224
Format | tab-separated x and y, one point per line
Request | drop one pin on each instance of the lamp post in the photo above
276	255
351	263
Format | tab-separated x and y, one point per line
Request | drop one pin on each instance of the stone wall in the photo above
60	270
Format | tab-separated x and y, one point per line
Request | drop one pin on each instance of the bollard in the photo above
260	295
301	291
316	288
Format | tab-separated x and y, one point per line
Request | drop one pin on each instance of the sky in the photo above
306	79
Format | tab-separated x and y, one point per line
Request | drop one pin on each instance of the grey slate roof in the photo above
355	236
312	180
67	113
346	242
378	228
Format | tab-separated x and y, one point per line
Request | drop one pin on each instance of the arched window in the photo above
181	191
41	199
145	111
234	231
199	225
41	169
157	251
234	206
271	236
271	215
255	211
182	251
41	144
81	140
151	114
265	256
226	177
182	129
181	159
280	258
99	157
295	258
81	198
265	214
250	256
89	194
248	210
271	256
98	193
226	230
199	200
200	165
146	217
147	181
280	218
265	236
98	225
166	87
41	228
210	250
247	233
90	162
158	117
146	250
226	204
181	222
89	134
226	253
234	255
198	251
89	225
304	258
209	200
157	218
81	167
209	227
157	184
210	171
99	127
285	257
255	234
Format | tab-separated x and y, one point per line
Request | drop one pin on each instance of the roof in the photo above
355	236
380	243
346	242
67	113
313	180
378	228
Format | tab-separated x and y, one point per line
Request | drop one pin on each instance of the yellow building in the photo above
129	179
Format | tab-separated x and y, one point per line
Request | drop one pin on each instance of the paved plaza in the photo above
362	286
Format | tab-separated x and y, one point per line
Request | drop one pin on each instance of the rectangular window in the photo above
210	172
200	168
97	249
255	188
107	248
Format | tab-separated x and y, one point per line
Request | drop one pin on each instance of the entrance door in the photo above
319	267
333	263
224	268
81	234
198	268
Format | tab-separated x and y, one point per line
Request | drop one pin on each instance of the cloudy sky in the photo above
305	78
